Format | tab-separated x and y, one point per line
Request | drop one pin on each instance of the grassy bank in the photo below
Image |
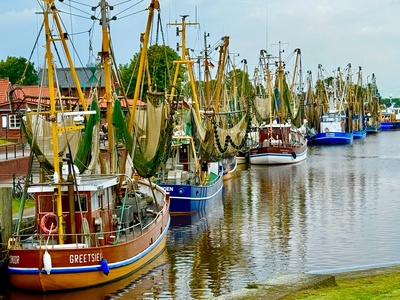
384	286
16	204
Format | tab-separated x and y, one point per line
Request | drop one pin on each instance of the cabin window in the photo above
95	203
14	122
4	121
83	201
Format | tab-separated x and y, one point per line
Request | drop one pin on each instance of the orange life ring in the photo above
44	220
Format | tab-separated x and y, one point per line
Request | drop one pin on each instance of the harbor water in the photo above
337	210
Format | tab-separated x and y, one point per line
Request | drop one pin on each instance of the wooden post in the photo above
5	214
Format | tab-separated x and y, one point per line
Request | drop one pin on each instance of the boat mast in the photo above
280	71
185	60
142	63
206	71
53	114
267	83
106	59
220	72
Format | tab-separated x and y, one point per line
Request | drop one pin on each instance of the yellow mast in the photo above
292	100
50	8
106	58
207	71
268	84
184	61
282	111
53	119
64	37
142	63
220	72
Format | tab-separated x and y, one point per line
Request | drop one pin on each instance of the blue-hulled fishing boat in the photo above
189	182
334	127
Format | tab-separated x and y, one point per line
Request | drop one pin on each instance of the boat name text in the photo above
84	258
14	259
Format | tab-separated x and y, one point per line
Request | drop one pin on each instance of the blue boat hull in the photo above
188	199
333	138
359	134
385	126
374	129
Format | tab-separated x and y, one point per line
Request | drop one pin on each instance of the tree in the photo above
18	71
161	68
240	77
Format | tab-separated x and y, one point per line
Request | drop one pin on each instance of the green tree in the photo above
161	68
18	71
243	84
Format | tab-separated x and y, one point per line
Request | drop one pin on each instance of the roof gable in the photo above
88	77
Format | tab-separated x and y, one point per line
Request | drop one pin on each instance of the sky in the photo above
364	33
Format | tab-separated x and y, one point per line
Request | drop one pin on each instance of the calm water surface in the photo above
339	209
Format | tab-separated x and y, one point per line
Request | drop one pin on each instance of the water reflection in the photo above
337	209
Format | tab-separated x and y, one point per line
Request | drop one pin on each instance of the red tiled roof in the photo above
32	91
103	104
5	87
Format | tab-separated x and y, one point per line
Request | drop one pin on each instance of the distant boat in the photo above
390	118
357	99
334	126
229	165
279	141
333	130
372	110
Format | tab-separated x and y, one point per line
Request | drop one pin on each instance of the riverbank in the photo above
282	286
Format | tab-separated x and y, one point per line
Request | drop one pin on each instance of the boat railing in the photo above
82	240
213	178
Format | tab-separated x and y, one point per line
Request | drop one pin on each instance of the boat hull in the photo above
81	267
333	138
274	155
359	134
188	199
373	129
386	126
73	270
229	166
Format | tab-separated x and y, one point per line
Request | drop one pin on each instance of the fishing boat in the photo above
191	184
192	177
356	98
279	141
229	165
390	118
334	126
92	227
372	110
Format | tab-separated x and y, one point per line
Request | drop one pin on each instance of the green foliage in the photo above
13	68
242	83
161	69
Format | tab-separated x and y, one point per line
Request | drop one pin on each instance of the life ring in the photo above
44	220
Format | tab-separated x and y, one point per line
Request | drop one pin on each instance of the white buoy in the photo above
47	262
55	177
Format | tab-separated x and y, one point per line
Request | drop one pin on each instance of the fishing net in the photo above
153	128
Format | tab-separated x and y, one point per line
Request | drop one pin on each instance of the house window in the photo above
14	122
4	122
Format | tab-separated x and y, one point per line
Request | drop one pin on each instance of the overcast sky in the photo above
364	33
